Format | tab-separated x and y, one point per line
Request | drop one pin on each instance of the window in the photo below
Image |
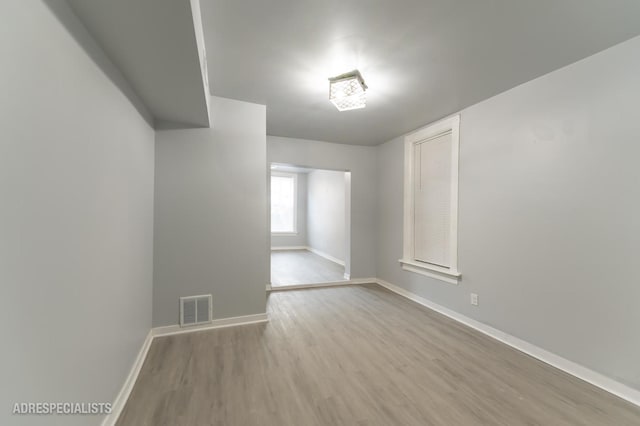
284	202
431	201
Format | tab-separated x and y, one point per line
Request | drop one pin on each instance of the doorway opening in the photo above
310	225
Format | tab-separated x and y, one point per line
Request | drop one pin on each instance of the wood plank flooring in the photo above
289	267
357	355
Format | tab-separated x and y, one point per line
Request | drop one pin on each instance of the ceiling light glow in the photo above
347	91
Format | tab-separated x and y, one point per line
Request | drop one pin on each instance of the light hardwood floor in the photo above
357	355
290	267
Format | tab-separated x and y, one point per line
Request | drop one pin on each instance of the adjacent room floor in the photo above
357	355
289	267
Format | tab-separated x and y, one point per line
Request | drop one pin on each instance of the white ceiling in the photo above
422	59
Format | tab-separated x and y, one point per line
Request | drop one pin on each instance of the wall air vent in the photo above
195	310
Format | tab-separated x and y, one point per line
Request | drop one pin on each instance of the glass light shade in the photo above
347	91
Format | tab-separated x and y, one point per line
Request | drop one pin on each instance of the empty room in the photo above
310	222
367	212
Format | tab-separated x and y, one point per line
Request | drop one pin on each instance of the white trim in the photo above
347	276
294	176
326	256
289	248
433	271
357	281
596	379
451	274
127	387
216	323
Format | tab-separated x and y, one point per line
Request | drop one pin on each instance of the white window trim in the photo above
295	204
408	261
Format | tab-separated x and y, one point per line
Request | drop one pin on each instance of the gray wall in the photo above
76	222
361	161
300	239
549	224
326	224
211	227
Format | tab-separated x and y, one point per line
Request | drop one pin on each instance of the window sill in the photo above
284	234
433	271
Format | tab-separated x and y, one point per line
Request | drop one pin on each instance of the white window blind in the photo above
283	204
432	200
430	244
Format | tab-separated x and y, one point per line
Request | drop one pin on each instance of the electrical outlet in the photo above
474	299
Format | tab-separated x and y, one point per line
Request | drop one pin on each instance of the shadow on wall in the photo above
79	32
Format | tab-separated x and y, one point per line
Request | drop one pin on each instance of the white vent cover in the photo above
195	310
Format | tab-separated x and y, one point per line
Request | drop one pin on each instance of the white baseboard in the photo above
599	380
127	387
326	256
357	281
288	248
217	323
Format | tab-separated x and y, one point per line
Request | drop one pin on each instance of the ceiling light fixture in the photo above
347	91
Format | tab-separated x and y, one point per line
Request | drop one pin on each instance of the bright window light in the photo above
347	91
283	203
